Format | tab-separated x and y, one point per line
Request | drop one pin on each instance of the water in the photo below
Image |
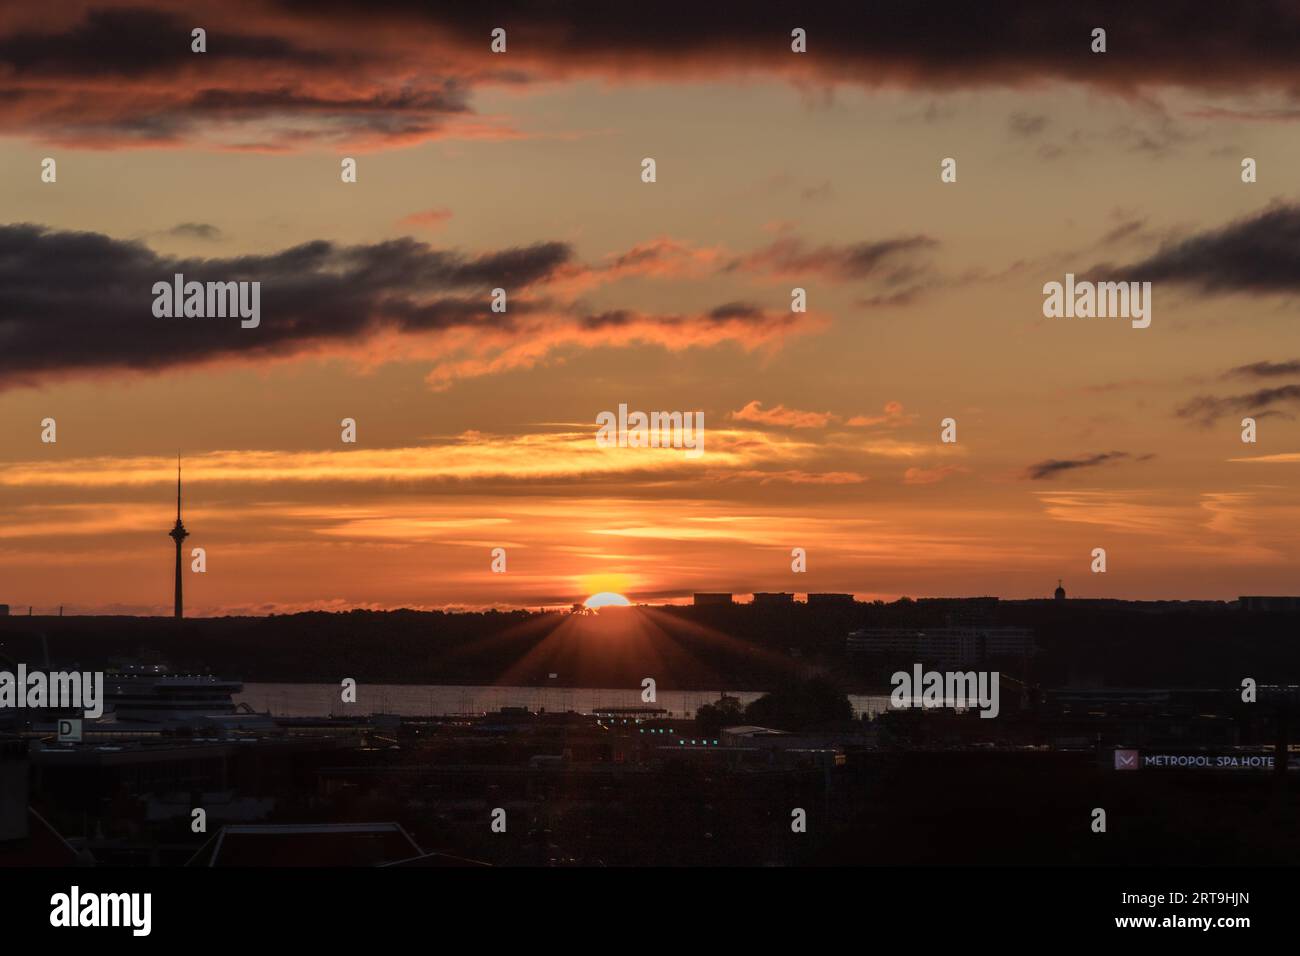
427	700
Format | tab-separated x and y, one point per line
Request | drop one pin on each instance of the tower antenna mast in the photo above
179	534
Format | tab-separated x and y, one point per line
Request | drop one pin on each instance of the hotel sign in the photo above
1145	760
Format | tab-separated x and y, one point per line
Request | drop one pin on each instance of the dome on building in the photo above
1060	591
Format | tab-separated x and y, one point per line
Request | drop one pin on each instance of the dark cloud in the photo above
274	76
735	310
78	301
997	41
291	74
75	303
1205	410
137	42
895	267
1264	369
886	259
1259	254
889	300
1052	467
726	314
616	318
1273	401
381	107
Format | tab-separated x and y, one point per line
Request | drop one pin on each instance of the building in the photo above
1060	590
945	648
749	736
13	789
962	611
712	598
773	598
826	600
26	837
785	749
1259	603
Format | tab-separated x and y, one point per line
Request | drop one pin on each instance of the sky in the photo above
522	170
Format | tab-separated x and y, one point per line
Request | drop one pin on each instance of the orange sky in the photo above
477	430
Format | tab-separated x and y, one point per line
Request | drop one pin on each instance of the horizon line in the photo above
568	607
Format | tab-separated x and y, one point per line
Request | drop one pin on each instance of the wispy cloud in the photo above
1051	467
888	259
780	415
195	230
470	456
931	476
428	218
1205	410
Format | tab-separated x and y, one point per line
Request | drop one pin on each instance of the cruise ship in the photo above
153	694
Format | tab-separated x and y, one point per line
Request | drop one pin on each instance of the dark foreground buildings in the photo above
1135	707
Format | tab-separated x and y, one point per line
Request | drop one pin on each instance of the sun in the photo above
607	599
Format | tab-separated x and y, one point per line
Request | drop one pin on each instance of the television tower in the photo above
179	534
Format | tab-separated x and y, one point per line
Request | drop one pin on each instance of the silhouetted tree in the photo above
801	706
711	718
